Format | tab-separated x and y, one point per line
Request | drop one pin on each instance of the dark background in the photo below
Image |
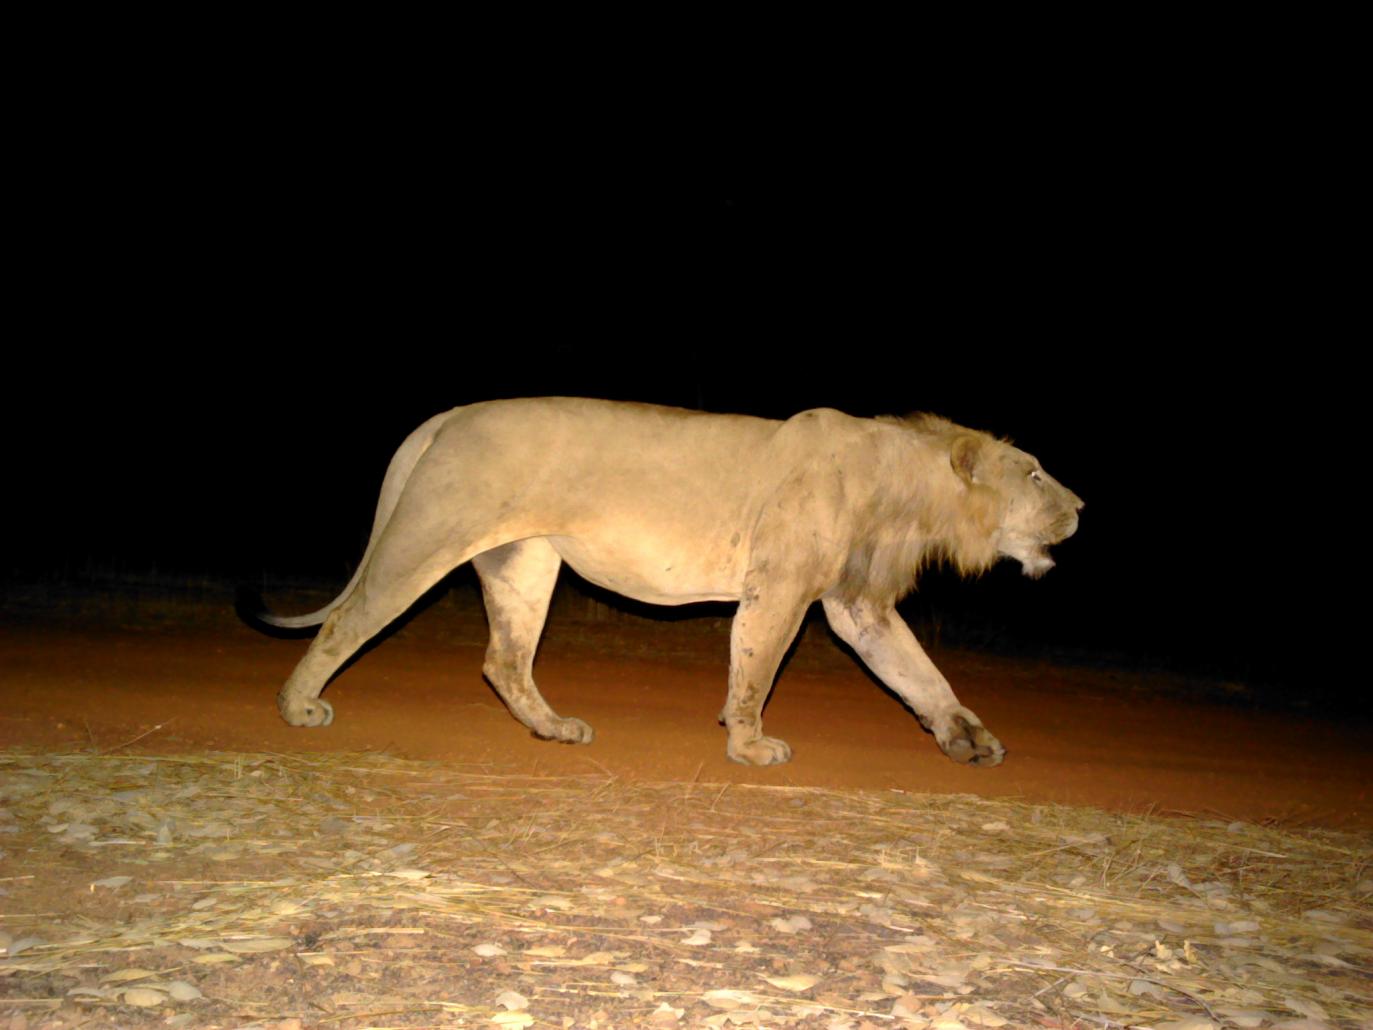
244	303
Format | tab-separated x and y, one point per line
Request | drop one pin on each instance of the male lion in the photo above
671	506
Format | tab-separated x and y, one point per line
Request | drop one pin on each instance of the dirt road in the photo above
1074	736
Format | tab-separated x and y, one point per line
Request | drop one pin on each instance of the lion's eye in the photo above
1034	474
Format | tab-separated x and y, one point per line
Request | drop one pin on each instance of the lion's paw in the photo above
965	739
760	751
312	711
567	731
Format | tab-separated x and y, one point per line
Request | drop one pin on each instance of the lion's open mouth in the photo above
1033	555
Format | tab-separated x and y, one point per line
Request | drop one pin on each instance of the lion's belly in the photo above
651	569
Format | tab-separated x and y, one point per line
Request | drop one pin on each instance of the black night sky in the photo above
240	325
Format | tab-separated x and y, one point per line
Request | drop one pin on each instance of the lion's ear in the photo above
965	455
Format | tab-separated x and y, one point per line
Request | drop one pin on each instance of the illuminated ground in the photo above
1080	736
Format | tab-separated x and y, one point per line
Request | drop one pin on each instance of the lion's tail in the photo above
398	473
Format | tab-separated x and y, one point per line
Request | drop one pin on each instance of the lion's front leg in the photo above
760	634
887	645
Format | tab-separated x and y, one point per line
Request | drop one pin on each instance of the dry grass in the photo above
352	891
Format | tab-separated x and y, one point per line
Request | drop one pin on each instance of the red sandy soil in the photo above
652	691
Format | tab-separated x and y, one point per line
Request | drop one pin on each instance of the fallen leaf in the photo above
1323	916
214	828
952	975
254	945
520	1019
1175	873
180	990
791	924
512	1000
489	950
906	1007
1247	1018
697	938
120	976
914	946
729	999
104	993
1308	1008
552	901
143	997
666	1015
981	1016
112	882
799	982
24	944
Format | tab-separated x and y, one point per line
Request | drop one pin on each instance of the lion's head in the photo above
958	495
1036	510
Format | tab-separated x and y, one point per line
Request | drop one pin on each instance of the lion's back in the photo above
610	447
563	463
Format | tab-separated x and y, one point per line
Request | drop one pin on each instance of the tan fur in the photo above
671	506
915	518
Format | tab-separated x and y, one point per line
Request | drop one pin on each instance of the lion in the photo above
670	506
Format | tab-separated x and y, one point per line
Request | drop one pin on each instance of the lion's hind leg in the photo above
517	584
407	558
360	616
